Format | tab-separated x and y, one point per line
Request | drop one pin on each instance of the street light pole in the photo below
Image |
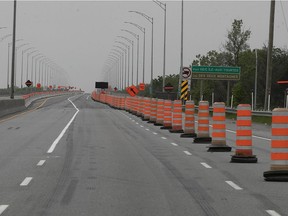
124	65
128	62
132	43
150	19
143	31
137	37
163	6
181	55
13	51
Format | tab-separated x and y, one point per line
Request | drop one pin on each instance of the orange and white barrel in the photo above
244	152
147	106
167	118
189	125
153	110
203	123
279	147
219	129
159	113
140	104
177	117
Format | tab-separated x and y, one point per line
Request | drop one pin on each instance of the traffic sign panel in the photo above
28	83
186	73
215	72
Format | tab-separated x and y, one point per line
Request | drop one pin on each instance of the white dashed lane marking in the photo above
233	185
187	153
3	208
41	162
26	181
174	144
272	213
206	165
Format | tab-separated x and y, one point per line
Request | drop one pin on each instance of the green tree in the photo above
237	40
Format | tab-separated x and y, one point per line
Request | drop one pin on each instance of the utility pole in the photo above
13	52
269	56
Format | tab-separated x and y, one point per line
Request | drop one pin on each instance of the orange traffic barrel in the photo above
167	118
189	125
203	123
147	106
153	111
140	104
243	153
219	129
279	147
159	113
177	117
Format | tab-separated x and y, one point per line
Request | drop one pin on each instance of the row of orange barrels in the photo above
169	114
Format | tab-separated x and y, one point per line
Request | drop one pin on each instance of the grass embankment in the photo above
255	119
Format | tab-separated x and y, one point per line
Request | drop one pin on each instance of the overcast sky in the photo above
79	35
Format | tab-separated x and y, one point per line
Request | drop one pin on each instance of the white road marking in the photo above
133	120
258	137
141	126
137	123
163	138
26	181
187	152
147	129
235	186
41	162
272	213
3	208
174	144
206	165
155	133
87	97
54	144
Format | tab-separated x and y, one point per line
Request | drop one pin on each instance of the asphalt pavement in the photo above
73	156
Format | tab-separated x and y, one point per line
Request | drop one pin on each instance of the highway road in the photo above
73	156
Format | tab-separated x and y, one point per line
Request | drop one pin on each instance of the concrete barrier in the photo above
9	106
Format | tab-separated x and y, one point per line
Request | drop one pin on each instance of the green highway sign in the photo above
215	72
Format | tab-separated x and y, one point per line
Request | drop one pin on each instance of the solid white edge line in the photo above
187	152
56	141
272	213
258	137
174	144
206	165
3	208
41	162
26	181
233	185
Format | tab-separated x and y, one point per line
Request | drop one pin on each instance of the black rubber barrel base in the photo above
219	148
188	135
276	175
158	124
166	128
202	140
176	131
243	159
143	119
151	122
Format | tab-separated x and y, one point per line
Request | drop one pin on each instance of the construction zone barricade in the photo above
140	104
279	147
203	124
159	113
189	125
147	109
219	129
243	153
153	111
177	117
167	119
